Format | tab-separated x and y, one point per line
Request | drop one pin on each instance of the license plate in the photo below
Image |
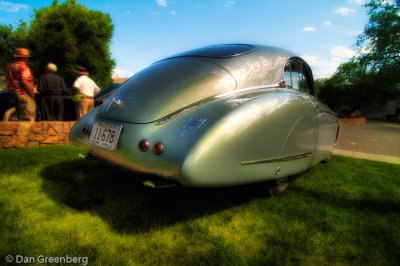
105	135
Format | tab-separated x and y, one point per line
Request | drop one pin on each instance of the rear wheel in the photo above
326	160
10	115
278	187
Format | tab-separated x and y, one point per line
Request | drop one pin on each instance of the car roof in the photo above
233	50
249	64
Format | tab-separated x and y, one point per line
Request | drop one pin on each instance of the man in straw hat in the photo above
86	88
20	84
52	87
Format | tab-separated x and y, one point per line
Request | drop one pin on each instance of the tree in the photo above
380	46
68	35
351	86
329	93
372	77
10	39
380	42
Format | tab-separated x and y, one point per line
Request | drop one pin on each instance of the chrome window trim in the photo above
213	98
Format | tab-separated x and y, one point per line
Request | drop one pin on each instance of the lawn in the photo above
55	204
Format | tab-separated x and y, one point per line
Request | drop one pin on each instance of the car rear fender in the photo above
249	143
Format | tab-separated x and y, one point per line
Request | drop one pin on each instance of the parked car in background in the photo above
217	116
8	113
6	104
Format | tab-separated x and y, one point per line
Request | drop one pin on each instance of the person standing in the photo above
86	88
20	84
52	87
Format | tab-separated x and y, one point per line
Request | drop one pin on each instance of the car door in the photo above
301	139
326	120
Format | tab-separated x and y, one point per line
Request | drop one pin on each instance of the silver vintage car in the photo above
221	115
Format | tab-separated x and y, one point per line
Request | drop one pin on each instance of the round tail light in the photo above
158	148
144	145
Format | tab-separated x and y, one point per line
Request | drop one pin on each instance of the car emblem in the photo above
190	126
115	103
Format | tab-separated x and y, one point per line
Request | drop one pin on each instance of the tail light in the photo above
158	148
144	145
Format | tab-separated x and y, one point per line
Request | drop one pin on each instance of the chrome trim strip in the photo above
281	159
213	98
327	112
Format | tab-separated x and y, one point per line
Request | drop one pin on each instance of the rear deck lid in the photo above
165	87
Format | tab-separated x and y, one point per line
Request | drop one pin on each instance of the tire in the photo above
326	160
10	115
278	187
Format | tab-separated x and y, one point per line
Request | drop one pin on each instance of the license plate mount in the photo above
105	135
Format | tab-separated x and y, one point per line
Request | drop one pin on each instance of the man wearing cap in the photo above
52	87
86	88
20	84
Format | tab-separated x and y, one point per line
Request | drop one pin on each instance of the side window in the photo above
303	83
296	74
286	75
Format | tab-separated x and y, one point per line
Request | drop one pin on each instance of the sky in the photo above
323	32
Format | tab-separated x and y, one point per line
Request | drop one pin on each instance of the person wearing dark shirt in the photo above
52	87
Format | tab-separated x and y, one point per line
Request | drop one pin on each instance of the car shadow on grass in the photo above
119	197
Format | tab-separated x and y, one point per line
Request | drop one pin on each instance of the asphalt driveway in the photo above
373	140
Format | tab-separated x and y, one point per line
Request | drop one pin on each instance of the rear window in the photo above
219	51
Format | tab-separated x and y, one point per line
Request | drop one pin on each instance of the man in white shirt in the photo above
86	88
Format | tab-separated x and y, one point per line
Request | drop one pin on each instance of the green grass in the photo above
53	203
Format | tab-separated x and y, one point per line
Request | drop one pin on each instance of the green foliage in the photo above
380	47
10	39
330	93
373	77
55	204
381	37
5	46
354	85
68	35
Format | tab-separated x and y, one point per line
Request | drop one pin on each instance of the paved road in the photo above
372	140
